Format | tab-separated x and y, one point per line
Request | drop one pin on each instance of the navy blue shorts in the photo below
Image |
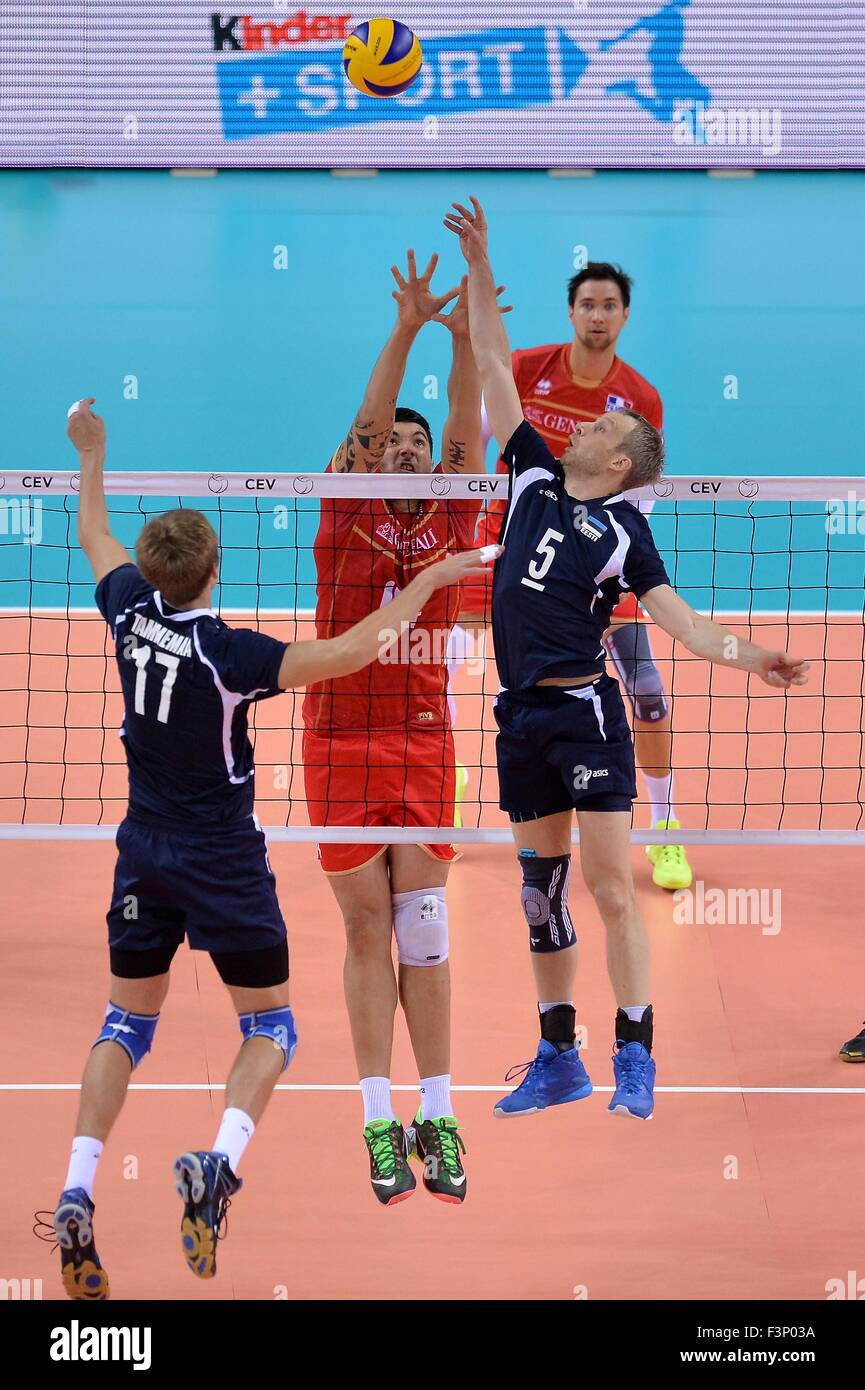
217	889
563	748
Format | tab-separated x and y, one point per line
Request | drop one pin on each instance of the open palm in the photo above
416	303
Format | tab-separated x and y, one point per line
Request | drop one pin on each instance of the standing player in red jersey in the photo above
560	385
378	748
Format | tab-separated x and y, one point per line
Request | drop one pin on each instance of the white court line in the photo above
665	1090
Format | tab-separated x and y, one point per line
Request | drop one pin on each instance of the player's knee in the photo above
614	899
133	1032
647	697
544	901
367	933
277	1025
420	925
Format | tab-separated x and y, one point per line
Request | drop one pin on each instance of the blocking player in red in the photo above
561	384
378	749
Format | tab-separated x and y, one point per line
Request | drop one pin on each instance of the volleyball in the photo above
381	57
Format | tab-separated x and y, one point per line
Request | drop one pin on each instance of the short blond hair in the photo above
644	446
177	553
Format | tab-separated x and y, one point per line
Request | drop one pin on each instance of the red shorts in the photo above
384	777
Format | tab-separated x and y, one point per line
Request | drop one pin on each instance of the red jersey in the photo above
554	400
365	553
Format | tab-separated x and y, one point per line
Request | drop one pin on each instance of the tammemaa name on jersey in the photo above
187	682
564	568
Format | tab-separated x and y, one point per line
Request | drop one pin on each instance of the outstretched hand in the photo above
458	318
416	303
86	430
471	228
780	670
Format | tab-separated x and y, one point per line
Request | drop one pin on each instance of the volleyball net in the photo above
779	560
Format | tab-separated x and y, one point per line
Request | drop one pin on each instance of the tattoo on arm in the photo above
456	455
361	447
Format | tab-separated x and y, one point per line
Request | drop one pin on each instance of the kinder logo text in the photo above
76	1343
241	33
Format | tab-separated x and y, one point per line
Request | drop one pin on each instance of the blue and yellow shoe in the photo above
71	1226
634	1071
552	1078
671	868
206	1184
854	1049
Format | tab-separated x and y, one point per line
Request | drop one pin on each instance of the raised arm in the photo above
363	447
489	339
716	643
87	433
463	444
307	662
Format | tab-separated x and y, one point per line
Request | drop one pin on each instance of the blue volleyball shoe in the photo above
71	1226
553	1078
634	1071
206	1184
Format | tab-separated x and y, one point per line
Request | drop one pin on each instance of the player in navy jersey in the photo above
192	859
572	547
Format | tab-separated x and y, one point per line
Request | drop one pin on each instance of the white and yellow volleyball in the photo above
381	57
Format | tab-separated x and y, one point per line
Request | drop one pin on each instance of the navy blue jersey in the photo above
187	682
565	567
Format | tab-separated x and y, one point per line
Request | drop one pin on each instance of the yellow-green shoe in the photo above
462	782
671	867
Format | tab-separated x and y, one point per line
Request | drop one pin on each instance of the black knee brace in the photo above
631	650
545	901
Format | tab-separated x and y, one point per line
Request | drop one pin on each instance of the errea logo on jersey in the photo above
544	387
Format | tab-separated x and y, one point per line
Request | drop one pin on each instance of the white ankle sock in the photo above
635	1012
376	1098
554	1004
435	1097
235	1132
83	1159
660	791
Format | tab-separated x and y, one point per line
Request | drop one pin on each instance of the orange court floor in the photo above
745	1184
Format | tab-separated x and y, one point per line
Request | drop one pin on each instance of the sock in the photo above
435	1097
235	1132
376	1098
558	1024
83	1159
660	791
635	1023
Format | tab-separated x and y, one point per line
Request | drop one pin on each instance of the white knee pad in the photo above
420	924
